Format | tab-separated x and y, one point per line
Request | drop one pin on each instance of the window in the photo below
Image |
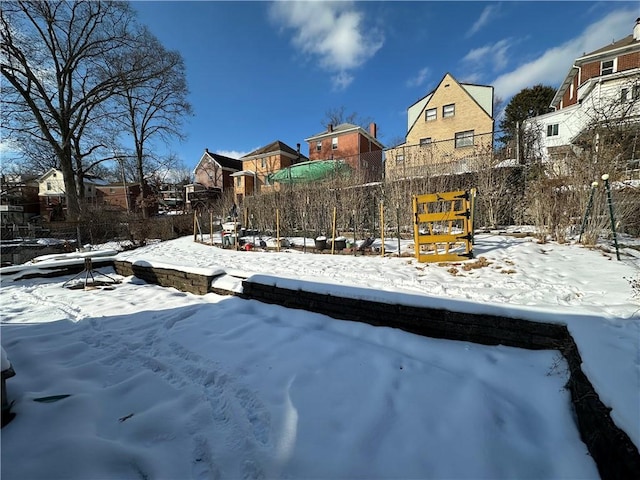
571	90
624	95
48	185
552	130
263	163
449	110
318	145
425	141
334	143
238	181
636	92
430	114
606	68
464	139
399	158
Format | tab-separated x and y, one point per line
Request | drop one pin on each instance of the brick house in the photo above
359	148
601	85
212	179
258	165
118	196
450	125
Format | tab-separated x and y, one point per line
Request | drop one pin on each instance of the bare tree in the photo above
54	56
155	108
338	115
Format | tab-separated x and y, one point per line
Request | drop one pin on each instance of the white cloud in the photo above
483	19
419	79
233	153
551	67
341	80
331	31
495	55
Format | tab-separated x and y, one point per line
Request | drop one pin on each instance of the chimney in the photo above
206	150
330	128
636	30
373	130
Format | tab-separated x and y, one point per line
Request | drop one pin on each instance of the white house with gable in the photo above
603	85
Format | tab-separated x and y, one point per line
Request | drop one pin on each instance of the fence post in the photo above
382	227
195	230
333	232
586	213
605	177
277	230
398	222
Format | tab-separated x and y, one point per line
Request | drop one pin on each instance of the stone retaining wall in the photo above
183	281
611	448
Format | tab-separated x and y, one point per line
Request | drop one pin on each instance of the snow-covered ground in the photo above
165	384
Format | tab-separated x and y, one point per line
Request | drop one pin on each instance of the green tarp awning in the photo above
310	171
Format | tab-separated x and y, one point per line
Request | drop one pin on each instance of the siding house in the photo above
213	177
359	148
603	85
446	128
52	193
18	199
258	165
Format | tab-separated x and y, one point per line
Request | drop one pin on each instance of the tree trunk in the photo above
73	203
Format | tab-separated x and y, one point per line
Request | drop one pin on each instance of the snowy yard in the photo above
165	384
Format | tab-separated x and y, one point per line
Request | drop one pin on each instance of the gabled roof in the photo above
625	42
273	147
622	46
463	86
342	129
88	178
225	162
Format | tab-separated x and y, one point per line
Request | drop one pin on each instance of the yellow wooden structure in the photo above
443	226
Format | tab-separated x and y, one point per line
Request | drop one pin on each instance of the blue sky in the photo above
265	71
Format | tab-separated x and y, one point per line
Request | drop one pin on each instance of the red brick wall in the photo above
356	154
347	147
590	70
629	61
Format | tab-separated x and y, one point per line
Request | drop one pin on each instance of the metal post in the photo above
277	230
304	225
333	235
605	177
398	222
382	227
588	211
354	232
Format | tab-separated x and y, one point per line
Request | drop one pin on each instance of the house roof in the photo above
341	130
462	86
623	45
624	42
88	178
276	146
224	162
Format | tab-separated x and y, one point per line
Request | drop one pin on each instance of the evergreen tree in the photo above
528	103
